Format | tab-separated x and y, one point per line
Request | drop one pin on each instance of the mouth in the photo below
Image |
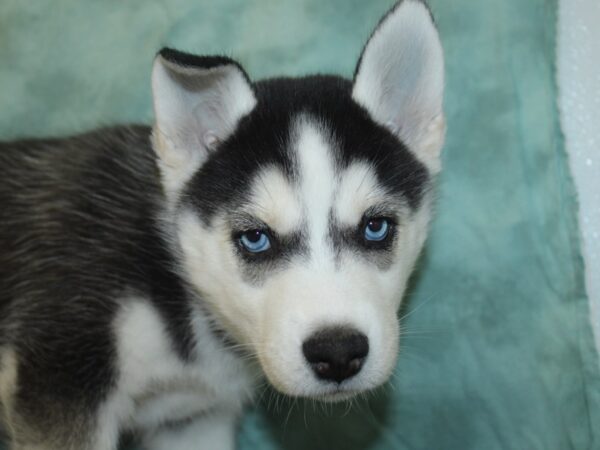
334	395
338	396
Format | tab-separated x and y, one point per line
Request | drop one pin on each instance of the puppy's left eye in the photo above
377	229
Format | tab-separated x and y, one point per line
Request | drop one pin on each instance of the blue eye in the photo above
377	229
255	241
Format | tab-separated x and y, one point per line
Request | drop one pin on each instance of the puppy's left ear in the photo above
399	79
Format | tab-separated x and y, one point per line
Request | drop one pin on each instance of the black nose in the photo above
336	353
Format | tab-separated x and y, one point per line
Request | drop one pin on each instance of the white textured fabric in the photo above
579	84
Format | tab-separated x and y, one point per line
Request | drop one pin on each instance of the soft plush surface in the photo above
498	350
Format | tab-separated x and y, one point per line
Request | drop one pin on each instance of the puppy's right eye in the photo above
377	229
255	241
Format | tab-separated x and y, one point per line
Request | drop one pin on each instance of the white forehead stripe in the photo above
317	183
275	202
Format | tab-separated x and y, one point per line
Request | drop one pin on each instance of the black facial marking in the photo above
263	138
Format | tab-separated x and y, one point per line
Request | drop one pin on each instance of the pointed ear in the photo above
198	102
399	79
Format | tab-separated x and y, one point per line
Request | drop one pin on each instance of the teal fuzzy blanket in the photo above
497	352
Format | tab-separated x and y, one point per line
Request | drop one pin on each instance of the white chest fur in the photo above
155	386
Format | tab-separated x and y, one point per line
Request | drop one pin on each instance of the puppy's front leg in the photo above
214	431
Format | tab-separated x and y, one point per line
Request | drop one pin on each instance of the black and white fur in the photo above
126	299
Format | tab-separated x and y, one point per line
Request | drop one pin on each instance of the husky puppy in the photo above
149	276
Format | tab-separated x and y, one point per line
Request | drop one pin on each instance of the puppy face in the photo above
301	205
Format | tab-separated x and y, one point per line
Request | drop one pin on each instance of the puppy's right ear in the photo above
198	102
399	79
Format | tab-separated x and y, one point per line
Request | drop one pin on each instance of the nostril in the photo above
336	353
355	364
322	368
